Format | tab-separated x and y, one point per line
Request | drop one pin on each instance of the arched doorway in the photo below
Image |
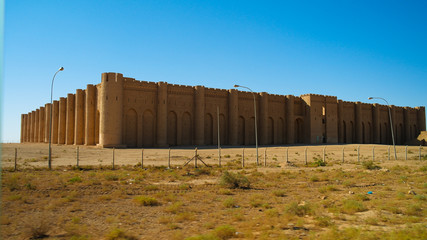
187	134
241	131
299	131
147	129
172	129
208	129
131	128
270	131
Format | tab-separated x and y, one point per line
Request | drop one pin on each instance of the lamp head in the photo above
61	69
236	86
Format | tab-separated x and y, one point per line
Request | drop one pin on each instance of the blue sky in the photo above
348	49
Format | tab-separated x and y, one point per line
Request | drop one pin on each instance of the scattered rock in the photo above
302	203
411	192
323	197
350	192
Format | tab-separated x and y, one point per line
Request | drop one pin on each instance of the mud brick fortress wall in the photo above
123	112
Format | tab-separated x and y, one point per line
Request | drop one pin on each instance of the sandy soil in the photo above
36	155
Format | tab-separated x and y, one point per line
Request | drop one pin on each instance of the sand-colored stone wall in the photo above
124	112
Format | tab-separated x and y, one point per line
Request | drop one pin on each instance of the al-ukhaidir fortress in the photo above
124	112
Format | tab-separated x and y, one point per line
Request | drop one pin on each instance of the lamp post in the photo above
50	120
256	131
391	123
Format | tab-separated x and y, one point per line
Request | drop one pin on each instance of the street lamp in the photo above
50	121
391	123
256	131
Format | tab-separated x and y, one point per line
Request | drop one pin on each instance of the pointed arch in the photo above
208	129
299	130
187	134
148	129
172	128
131	121
241	131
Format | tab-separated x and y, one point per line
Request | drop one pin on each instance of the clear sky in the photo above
348	49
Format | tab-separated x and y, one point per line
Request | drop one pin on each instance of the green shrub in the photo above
352	206
234	180
119	234
229	202
146	201
370	165
299	209
225	232
75	179
279	193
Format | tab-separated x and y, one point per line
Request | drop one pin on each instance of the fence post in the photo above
373	153
219	156
287	155
142	158
406	152
77	155
389	153
305	156
265	157
169	158
343	155
324	155
195	157
420	152
16	158
358	154
243	158
113	156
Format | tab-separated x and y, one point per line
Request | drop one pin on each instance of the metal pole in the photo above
219	138
358	154
391	124
16	157
343	155
50	121
77	155
195	158
324	155
169	158
287	155
113	158
142	158
389	153
373	153
305	156
243	158
406	153
265	157
256	131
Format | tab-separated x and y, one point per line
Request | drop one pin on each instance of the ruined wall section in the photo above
276	119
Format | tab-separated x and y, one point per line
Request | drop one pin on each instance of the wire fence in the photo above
36	155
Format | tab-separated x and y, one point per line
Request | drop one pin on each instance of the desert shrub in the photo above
203	237
352	206
323	221
174	208
370	165
229	202
75	179
234	180
279	193
111	177
224	191
319	163
37	227
423	168
272	212
146	201
314	178
224	232
202	171
414	210
151	187
119	234
299	209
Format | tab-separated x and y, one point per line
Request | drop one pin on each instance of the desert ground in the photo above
296	192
